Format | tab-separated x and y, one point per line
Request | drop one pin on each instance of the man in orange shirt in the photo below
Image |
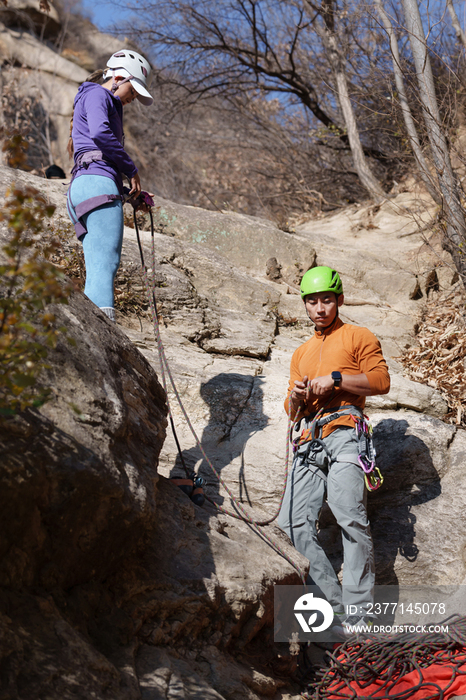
331	374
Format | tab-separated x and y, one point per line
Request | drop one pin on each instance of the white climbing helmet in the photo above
133	67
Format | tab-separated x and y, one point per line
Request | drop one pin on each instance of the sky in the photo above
102	13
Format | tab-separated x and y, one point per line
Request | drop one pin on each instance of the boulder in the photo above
409	395
79	477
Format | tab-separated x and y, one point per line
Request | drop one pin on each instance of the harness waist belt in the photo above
85	159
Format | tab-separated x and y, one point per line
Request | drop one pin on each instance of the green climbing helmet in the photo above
321	279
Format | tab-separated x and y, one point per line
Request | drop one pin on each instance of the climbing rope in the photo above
243	515
368	666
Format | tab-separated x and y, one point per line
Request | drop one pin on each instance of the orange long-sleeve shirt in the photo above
345	348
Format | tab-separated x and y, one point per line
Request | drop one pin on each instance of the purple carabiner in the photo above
367	468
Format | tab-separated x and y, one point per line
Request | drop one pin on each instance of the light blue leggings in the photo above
103	240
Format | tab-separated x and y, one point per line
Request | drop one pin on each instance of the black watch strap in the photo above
336	376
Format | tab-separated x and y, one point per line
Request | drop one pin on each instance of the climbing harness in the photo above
242	514
404	666
76	213
310	437
312	433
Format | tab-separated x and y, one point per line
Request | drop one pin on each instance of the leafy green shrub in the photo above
29	283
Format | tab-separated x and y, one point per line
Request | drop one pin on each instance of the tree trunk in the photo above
327	34
456	23
407	116
365	174
454	215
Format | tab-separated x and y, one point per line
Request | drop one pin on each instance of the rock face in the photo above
103	562
29	14
88	459
422	460
114	584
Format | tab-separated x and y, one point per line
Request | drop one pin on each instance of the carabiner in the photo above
374	480
365	464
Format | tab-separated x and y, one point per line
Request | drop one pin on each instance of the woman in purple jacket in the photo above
95	196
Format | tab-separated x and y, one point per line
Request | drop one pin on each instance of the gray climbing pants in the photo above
337	474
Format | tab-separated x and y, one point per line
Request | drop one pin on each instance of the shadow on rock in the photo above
410	478
236	413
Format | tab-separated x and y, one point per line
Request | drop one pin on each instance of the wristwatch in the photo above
336	376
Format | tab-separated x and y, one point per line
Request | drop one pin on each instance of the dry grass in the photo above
130	294
439	360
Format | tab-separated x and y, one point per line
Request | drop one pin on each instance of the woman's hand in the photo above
144	206
135	186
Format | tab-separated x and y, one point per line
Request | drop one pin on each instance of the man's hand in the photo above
300	393
322	385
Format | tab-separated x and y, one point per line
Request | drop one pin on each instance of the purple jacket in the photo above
98	125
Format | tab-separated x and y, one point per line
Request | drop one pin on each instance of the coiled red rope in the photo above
400	667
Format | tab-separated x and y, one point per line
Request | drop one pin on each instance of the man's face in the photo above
322	308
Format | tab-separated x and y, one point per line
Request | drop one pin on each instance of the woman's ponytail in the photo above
95	77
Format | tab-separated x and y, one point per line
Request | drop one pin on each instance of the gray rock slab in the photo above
246	241
422	460
241	333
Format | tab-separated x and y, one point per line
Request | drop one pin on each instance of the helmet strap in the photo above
116	85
